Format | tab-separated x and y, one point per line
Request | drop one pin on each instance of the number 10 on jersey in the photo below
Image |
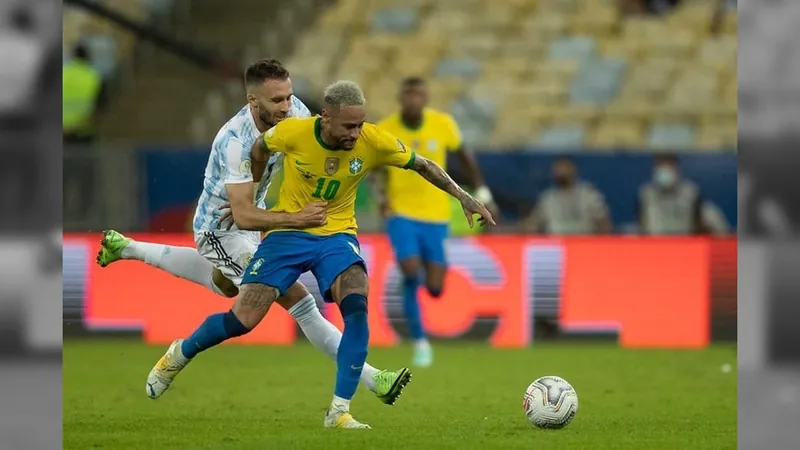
326	189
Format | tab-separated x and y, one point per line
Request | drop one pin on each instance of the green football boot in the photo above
389	385
111	247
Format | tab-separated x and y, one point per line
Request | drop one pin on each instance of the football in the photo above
550	402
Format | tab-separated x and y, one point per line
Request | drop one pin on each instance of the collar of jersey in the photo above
318	135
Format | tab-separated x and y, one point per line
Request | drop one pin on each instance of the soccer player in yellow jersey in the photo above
324	159
417	213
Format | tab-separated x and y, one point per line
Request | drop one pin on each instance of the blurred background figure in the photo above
670	204
571	206
82	94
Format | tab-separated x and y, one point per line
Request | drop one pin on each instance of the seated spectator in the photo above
572	206
671	205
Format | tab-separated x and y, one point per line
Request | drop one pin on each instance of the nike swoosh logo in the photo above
301	163
356	368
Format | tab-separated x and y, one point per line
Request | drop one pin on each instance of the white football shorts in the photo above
229	251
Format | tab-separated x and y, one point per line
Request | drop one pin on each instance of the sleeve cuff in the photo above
410	162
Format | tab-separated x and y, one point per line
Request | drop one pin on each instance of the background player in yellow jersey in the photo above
417	213
324	160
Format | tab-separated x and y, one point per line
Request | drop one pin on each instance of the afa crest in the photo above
356	164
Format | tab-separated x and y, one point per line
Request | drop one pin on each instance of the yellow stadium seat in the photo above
631	109
479	45
621	48
644	29
532	50
611	134
543	26
597	21
716	137
695	15
541	95
679	44
556	69
584	114
513	129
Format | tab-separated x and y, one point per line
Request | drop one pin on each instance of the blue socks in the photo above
352	352
216	329
411	308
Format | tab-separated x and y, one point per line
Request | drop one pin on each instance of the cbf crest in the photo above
331	165
356	164
255	266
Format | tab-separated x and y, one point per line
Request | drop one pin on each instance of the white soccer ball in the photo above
550	402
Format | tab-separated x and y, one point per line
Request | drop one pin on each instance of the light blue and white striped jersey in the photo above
229	163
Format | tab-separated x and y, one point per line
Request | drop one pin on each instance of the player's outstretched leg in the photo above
250	307
183	262
386	385
349	291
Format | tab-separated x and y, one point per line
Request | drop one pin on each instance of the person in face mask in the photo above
669	204
571	206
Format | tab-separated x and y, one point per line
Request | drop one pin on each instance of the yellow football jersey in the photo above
313	171
409	194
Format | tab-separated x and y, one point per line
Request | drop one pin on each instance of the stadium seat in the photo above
458	68
597	82
571	48
617	134
670	136
395	20
526	65
559	137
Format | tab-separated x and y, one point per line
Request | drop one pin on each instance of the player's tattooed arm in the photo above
439	178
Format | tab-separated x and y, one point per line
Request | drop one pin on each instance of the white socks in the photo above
183	262
324	335
340	404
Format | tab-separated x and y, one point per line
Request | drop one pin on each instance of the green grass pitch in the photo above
236	397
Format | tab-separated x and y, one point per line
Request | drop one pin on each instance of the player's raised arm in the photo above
392	152
240	188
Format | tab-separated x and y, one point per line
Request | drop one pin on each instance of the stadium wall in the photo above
645	292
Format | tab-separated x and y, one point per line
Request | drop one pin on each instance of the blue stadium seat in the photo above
482	111
104	53
597	82
562	137
459	67
571	48
395	20
665	136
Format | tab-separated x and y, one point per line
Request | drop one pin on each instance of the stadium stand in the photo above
568	73
159	87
